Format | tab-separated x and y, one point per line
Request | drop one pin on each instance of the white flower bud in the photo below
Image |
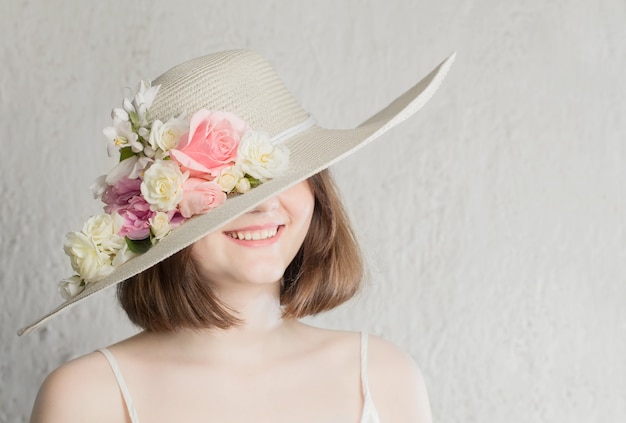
71	287
160	225
243	186
229	177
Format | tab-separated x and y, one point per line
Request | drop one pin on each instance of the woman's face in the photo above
258	246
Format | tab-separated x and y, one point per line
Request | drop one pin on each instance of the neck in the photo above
262	327
256	306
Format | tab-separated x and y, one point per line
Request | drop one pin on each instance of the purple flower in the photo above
124	198
118	196
136	217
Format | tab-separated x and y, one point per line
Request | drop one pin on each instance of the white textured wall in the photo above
493	221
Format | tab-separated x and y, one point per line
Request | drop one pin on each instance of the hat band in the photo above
294	130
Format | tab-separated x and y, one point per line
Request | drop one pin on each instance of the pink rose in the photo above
211	144
200	196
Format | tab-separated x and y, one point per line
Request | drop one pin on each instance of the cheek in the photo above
203	250
301	199
306	219
304	205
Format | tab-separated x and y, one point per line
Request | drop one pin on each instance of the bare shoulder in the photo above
340	344
396	383
83	389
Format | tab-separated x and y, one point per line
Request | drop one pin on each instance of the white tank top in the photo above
369	414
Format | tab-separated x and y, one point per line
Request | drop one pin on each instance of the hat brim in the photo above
311	151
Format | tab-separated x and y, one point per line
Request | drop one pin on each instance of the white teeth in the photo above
254	235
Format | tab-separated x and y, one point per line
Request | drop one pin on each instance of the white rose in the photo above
259	158
229	177
166	135
103	229
114	243
162	185
86	258
243	186
160	225
98	227
71	287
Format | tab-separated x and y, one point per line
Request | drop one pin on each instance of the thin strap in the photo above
120	381
370	414
364	384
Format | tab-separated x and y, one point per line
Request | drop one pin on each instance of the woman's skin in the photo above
268	369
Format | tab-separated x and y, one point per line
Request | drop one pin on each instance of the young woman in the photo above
221	237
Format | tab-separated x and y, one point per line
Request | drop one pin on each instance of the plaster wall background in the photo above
493	221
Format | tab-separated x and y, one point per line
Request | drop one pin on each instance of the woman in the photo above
224	228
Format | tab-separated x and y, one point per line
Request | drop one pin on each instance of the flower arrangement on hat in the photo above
167	172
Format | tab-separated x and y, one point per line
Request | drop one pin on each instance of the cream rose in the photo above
229	177
167	135
103	229
259	158
160	225
86	258
162	185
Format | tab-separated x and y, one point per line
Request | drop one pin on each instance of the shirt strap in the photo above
370	414
121	383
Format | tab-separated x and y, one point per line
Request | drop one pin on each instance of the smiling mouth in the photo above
256	235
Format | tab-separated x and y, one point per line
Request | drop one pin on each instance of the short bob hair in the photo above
326	272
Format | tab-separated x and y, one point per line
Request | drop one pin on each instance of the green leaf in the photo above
125	153
138	246
254	182
134	118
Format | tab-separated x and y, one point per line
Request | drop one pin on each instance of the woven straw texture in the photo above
237	81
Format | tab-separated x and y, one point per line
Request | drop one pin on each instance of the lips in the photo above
254	234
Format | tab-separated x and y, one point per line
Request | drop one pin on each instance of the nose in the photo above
267	206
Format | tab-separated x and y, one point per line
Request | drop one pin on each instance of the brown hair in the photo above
326	272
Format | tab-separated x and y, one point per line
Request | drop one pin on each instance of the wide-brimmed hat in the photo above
265	143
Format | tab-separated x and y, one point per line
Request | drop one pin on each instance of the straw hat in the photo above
241	88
